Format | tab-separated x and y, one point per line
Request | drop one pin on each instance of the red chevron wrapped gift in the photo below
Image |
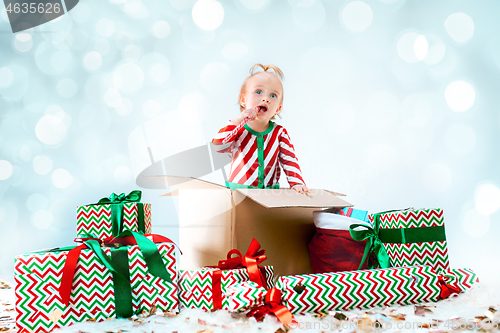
196	287
113	215
41	308
414	237
362	289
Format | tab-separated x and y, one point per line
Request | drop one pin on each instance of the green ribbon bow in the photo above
117	202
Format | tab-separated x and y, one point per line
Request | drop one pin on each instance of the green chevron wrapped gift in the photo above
95	292
410	237
196	287
113	215
362	289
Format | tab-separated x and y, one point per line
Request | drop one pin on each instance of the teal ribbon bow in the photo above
117	202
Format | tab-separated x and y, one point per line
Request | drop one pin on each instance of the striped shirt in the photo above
256	156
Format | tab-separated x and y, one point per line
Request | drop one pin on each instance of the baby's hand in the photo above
301	188
249	113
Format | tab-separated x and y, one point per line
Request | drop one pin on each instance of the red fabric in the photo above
335	251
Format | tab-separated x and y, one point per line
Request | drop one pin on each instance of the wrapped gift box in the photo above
38	276
196	286
98	219
359	289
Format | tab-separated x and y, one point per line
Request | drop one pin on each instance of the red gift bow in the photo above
446	289
69	268
272	304
253	257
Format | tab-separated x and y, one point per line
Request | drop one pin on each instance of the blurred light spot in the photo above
475	224
42	219
123	39
105	27
161	29
112	97
5	16
52	58
487	199
357	16
421	47
102	46
194	107
416	111
57	111
74	188
151	108
92	60
37	201
407	46
42	164
234	51
132	53
81	13
383	156
436	51
309	16
67	88
5	169
25	153
253	5
446	66
61	178
160	73
215	77
136	9
382	109
23	42
128	77
182	5
460	27
123	175
460	138
208	14
6	77
50	130
460	96
436	177
125	107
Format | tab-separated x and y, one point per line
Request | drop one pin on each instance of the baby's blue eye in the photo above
259	92
273	95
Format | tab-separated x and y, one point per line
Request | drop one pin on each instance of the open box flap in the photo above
184	183
282	198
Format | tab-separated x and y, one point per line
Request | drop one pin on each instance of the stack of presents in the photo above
320	255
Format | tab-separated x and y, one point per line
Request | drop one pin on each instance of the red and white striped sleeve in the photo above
230	131
289	161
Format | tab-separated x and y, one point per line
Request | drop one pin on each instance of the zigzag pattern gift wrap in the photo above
195	287
359	289
461	278
405	234
38	276
114	215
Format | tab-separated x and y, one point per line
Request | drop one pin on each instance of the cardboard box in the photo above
213	220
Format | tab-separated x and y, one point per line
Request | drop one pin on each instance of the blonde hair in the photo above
271	69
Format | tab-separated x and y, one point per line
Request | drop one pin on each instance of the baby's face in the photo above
263	90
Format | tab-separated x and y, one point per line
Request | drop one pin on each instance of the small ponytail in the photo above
279	74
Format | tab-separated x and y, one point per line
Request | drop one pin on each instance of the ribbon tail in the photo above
68	273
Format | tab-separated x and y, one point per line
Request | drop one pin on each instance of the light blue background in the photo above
365	103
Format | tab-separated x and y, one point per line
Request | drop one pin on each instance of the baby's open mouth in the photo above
262	108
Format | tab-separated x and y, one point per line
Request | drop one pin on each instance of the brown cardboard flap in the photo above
282	198
184	183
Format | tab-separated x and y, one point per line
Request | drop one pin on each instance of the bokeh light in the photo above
67	88
161	29
412	47
52	58
436	177
128	77
132	53
125	107
436	49
460	96
105	27
234	50
357	16
487	199
421	47
42	164
156	68
215	77
37	201
102	46
112	97
50	130
61	178
475	224
23	42
80	13
460	27
252	6
151	108
460	138
6	76
92	60
5	169
42	219
308	16
208	14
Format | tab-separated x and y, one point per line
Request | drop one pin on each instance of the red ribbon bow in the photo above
447	289
272	305
251	260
